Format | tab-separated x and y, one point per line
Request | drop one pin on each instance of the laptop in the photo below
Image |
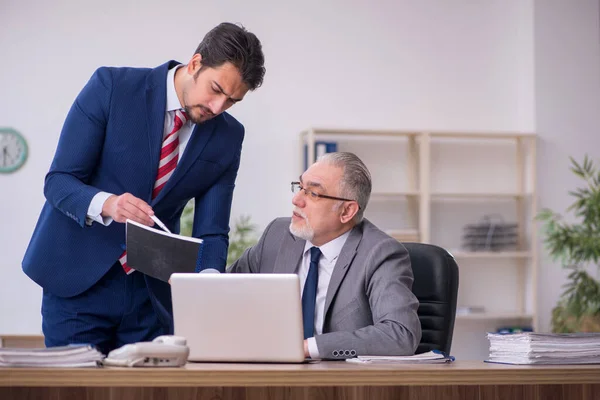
239	317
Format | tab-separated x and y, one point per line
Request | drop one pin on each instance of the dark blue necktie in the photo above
309	294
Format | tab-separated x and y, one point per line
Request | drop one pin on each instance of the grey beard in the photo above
305	233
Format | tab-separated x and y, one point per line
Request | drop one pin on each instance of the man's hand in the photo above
306	353
127	206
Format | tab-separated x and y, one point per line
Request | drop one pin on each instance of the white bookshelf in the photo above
476	196
495	316
392	195
458	255
431	183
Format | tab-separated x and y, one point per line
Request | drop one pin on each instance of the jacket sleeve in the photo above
79	147
396	329
211	217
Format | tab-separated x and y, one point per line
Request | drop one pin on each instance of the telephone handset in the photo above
164	351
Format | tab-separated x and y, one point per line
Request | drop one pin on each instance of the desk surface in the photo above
315	374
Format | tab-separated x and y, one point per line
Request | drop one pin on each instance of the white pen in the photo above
159	223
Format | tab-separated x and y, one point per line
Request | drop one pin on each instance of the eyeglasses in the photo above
297	186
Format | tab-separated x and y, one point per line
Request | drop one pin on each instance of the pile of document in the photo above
491	234
544	348
64	356
430	357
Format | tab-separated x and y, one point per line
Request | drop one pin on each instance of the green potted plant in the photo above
577	245
242	235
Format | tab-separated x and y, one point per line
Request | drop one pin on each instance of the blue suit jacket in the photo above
111	141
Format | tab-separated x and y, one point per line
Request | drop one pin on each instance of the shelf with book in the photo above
434	184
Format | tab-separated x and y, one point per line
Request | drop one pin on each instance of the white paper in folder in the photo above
430	357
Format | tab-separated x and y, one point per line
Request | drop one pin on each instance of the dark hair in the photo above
228	42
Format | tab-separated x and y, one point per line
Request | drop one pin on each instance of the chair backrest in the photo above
436	286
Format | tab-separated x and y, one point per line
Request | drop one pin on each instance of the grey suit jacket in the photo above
369	308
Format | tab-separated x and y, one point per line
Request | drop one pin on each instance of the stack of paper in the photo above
544	348
431	357
63	356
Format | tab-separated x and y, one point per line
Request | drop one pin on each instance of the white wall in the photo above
374	64
567	100
390	64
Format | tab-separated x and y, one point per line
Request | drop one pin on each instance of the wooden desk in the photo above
326	380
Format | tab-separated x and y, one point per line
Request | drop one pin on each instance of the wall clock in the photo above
13	150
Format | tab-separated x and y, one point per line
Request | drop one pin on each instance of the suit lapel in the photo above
198	140
289	255
343	263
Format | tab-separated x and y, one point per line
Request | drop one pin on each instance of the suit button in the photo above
353	353
335	353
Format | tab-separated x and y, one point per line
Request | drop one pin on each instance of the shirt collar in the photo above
172	99
332	249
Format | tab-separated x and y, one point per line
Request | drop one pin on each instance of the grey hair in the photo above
356	179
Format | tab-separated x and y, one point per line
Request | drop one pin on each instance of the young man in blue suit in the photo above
139	142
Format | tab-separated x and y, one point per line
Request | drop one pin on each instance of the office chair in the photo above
436	286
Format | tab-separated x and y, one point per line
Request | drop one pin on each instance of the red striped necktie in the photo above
169	156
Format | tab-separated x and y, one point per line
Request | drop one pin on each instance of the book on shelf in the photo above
469	310
544	348
321	147
70	356
490	234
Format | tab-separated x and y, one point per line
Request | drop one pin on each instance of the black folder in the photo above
158	253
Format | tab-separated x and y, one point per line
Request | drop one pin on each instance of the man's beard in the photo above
305	232
207	113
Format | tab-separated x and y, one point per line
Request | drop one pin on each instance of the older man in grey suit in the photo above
356	281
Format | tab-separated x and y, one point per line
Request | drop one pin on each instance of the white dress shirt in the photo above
330	253
95	208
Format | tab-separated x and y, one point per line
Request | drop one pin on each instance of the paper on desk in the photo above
63	356
544	348
431	357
